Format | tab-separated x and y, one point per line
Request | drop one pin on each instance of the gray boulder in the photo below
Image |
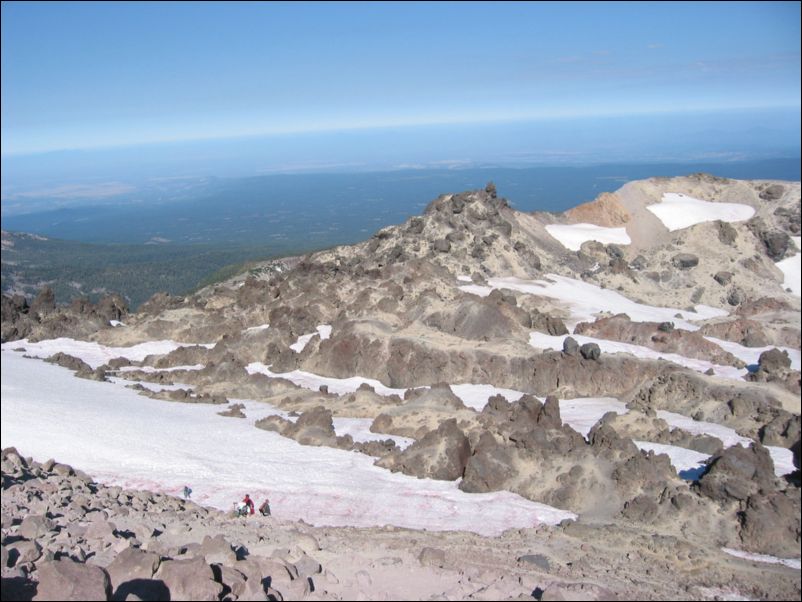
590	351
776	243
216	550
723	278
35	526
685	261
570	346
774	360
65	579
772	192
442	245
190	579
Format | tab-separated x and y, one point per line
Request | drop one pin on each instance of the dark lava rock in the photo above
590	351
772	192
440	454
736	473
442	245
774	360
685	261
726	233
723	278
570	346
776	243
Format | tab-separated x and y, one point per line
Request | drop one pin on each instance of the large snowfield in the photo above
126	439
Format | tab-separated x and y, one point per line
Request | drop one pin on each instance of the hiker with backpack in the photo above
247	505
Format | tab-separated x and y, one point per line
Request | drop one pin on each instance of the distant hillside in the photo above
74	269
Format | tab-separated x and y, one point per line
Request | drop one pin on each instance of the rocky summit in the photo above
632	364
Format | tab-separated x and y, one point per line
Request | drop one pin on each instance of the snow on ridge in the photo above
678	211
728	436
477	396
750	355
313	382
793	563
152	370
323	331
585	300
96	354
571	236
540	340
791	267
682	459
582	413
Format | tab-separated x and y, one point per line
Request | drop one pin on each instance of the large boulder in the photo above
685	261
441	454
65	579
190	579
131	572
737	473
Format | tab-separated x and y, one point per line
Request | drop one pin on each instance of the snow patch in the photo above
678	211
571	236
313	382
477	396
585	301
323	331
687	461
793	563
116	323
582	413
259	328
152	370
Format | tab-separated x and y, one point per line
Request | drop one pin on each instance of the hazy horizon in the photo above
103	99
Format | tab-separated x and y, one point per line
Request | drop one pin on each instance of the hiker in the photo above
248	503
187	492
264	509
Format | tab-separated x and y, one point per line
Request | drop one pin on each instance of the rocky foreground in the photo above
66	537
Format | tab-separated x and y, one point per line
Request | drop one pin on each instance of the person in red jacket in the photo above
249	503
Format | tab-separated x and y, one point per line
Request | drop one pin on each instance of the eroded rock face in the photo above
441	454
737	473
771	522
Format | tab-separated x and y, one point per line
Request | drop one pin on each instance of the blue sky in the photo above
92	75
